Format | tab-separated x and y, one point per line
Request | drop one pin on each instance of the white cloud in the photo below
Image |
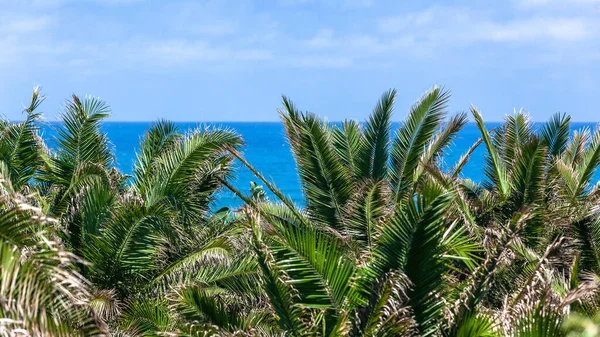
214	28
359	3
410	21
117	2
449	25
323	39
554	29
318	61
185	51
334	3
209	36
23	25
535	3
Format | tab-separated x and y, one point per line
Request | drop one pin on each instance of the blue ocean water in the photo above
267	149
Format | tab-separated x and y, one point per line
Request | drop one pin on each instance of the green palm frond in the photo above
216	313
21	146
80	137
496	169
439	143
183	162
20	223
215	244
516	132
366	211
314	260
348	141
589	164
539	321
374	154
161	137
528	176
325	181
412	138
238	276
125	249
203	306
282	295
444	138
146	317
464	159
187	176
586	232
555	134
41	293
83	156
411	243
573	154
88	214
476	325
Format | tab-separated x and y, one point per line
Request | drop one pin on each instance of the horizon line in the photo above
271	121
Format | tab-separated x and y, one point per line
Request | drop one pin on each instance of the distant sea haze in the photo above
267	149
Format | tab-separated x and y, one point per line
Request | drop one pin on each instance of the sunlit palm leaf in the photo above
496	170
412	138
373	159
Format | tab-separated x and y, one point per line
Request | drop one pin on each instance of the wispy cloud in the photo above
117	2
456	25
535	3
359	3
186	51
544	28
207	35
222	45
23	25
343	3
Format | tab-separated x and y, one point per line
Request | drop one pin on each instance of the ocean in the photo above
267	149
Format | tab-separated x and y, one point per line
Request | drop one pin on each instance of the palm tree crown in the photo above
390	241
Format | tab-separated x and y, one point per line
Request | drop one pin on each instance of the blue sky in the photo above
218	60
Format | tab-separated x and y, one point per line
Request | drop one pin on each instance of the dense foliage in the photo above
389	242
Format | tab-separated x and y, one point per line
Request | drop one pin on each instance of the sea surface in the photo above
267	149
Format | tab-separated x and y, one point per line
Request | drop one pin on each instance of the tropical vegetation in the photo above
389	240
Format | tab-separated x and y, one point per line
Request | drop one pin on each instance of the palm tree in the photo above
136	237
21	148
533	218
41	293
387	230
371	252
389	242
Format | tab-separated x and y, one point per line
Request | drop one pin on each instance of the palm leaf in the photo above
324	180
555	134
413	136
411	243
496	170
348	142
282	295
373	158
161	137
